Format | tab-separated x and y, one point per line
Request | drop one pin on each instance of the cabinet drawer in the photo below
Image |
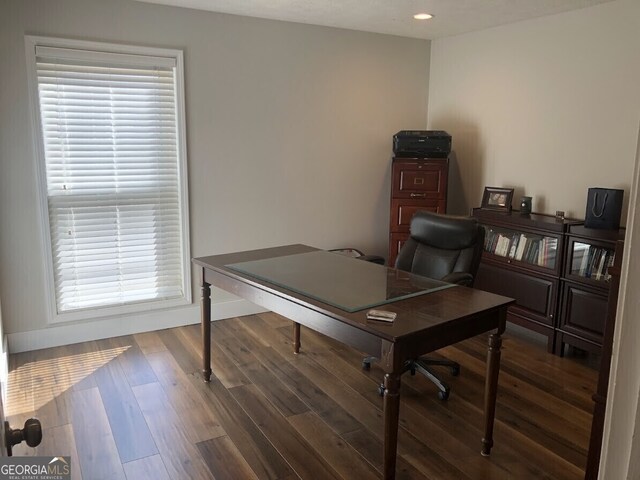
419	180
396	240
403	210
535	296
584	312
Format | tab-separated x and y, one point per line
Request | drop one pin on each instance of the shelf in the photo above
590	261
528	248
590	253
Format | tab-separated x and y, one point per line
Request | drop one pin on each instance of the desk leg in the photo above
205	319
391	413
296	337
491	391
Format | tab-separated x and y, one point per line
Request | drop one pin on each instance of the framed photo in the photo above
495	198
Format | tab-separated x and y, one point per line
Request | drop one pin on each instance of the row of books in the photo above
592	262
518	246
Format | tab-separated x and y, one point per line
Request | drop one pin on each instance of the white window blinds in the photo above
110	135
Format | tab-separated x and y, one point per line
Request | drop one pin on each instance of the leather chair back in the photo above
443	247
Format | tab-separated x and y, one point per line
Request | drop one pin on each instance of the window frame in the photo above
54	317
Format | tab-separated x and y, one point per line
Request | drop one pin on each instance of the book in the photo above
541	251
503	245
533	253
602	265
593	255
514	245
610	261
584	262
521	245
550	254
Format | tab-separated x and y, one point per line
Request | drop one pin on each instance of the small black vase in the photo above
525	206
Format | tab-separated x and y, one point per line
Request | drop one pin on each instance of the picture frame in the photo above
497	198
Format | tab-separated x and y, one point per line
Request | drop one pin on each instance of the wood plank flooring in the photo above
136	408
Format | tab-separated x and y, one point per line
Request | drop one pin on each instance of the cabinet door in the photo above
588	262
403	210
528	249
584	312
420	180
535	296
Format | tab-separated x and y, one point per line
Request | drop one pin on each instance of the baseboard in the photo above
58	335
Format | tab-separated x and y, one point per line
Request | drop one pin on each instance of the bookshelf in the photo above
531	249
522	259
584	287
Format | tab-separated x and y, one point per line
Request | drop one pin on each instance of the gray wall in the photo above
548	106
289	130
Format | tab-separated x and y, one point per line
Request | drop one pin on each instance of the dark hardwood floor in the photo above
135	407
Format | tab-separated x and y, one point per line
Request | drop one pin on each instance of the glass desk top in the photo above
340	281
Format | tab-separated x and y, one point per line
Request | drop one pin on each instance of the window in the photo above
111	140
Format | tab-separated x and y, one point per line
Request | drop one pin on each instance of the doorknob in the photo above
31	433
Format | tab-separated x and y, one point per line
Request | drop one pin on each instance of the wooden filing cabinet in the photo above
416	184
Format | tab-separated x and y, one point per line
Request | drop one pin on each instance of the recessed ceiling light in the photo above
422	16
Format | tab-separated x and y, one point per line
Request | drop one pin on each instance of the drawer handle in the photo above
413	195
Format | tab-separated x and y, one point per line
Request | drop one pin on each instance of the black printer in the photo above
422	143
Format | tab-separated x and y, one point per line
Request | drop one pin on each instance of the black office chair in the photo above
446	248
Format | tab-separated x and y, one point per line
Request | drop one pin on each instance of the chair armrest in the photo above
459	278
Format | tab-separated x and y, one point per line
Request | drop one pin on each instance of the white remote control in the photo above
381	315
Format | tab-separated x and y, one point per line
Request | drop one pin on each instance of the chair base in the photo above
422	365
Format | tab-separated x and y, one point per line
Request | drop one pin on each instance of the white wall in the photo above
548	106
289	132
551	106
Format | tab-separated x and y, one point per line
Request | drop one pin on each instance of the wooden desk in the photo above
425	323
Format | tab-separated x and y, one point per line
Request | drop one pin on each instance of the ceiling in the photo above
394	17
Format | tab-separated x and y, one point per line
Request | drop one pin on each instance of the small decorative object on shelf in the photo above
496	198
525	206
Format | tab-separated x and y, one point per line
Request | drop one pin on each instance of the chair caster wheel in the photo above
455	371
443	395
366	365
381	390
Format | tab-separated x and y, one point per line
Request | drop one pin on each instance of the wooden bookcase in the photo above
584	287
416	184
559	278
522	259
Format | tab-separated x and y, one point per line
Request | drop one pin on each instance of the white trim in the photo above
111	47
124	325
4	369
41	176
32	43
183	173
108	58
620	440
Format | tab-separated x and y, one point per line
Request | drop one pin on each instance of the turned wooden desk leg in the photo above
205	318
296	338
491	391
391	413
